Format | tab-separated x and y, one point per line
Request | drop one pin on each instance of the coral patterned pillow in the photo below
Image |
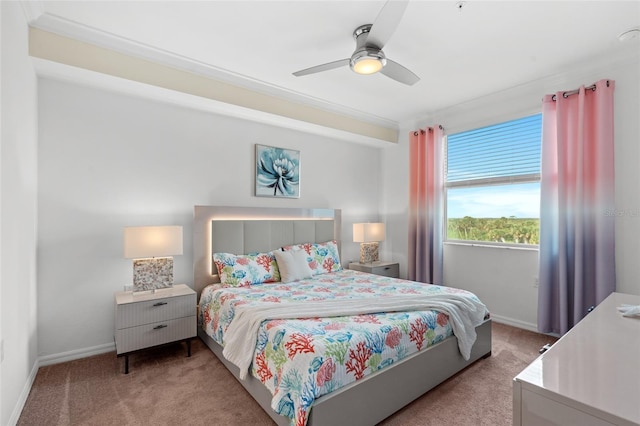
322	257
245	270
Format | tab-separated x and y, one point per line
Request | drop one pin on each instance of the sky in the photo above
519	200
497	152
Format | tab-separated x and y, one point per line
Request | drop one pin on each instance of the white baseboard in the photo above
49	360
76	354
515	323
17	410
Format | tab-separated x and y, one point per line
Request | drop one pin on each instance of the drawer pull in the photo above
158	327
386	268
159	303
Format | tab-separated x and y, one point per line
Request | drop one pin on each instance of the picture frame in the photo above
277	172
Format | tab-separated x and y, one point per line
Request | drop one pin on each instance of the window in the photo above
492	182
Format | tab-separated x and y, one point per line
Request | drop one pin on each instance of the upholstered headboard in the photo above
241	230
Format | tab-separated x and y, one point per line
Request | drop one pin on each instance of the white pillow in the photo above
293	265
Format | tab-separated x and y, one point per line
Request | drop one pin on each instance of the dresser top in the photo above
143	296
597	363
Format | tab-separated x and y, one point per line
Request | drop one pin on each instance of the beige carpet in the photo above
164	387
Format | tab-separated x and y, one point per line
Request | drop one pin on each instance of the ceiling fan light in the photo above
367	66
368	61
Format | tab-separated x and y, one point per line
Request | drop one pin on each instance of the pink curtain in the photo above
577	251
426	210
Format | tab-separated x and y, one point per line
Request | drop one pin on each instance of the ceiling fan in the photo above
368	58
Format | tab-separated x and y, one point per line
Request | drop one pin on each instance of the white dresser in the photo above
147	319
590	377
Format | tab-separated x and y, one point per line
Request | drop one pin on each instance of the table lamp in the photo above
152	248
368	235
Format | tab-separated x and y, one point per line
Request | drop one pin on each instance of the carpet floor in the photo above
164	387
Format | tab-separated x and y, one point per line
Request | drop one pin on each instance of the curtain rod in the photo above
415	133
575	92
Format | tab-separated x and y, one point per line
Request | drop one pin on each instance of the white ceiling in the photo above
460	54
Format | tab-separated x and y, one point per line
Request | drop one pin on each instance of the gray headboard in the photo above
242	230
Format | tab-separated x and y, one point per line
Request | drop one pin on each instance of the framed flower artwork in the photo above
277	172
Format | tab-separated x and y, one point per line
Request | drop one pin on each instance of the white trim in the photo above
49	360
491	244
22	399
522	99
32	10
76	354
77	31
67	73
514	323
502	180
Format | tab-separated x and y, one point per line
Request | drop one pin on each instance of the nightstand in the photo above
388	269
146	319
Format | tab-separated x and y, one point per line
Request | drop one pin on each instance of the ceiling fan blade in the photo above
386	23
399	73
323	67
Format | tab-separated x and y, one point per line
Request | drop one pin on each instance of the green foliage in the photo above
402	325
430	336
503	230
337	350
374	361
277	355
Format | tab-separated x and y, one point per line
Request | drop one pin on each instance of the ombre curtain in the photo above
577	252
426	209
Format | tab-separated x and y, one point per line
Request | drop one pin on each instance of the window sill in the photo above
493	245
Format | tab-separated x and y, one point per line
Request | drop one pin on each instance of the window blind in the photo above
505	152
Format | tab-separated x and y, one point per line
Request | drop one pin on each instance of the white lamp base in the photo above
368	252
151	274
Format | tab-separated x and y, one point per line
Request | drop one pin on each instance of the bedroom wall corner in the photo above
627	174
394	202
1	139
18	198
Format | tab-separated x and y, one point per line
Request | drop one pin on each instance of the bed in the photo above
378	392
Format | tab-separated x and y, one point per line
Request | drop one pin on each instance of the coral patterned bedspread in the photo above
299	360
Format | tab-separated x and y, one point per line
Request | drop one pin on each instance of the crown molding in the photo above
79	76
526	98
32	10
77	31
